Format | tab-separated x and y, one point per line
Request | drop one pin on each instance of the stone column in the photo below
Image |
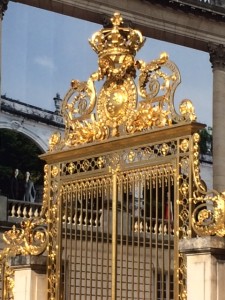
30	277
205	267
217	58
3	8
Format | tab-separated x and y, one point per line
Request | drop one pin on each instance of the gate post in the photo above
30	278
205	267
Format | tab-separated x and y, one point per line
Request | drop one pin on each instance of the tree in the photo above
205	142
18	152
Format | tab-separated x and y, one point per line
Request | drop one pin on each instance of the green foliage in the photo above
18	152
205	142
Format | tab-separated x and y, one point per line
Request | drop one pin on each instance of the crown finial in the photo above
123	105
116	40
116	19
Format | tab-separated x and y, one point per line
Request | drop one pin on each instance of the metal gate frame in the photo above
176	152
129	126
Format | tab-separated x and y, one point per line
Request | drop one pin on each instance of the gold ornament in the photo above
122	107
208	217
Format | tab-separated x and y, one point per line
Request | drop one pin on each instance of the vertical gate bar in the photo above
162	232
71	239
127	234
2	266
144	240
151	233
3	282
81	239
175	239
169	233
108	191
62	261
190	205
139	226
156	232
177	230
59	263
91	237
86	239
75	240
114	236
121	234
96	235
172	205
65	216
133	228
102	241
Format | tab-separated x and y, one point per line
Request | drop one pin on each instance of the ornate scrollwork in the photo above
116	110
7	278
208	217
31	238
85	132
79	101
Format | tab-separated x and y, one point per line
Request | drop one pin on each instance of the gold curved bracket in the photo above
31	238
208	217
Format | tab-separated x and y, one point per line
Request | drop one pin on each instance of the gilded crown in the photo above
117	39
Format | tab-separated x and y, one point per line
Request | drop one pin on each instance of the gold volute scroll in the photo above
208	217
31	238
135	96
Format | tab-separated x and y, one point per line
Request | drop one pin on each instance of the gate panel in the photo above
144	236
86	254
145	250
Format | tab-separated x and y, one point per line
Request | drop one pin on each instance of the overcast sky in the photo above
43	51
